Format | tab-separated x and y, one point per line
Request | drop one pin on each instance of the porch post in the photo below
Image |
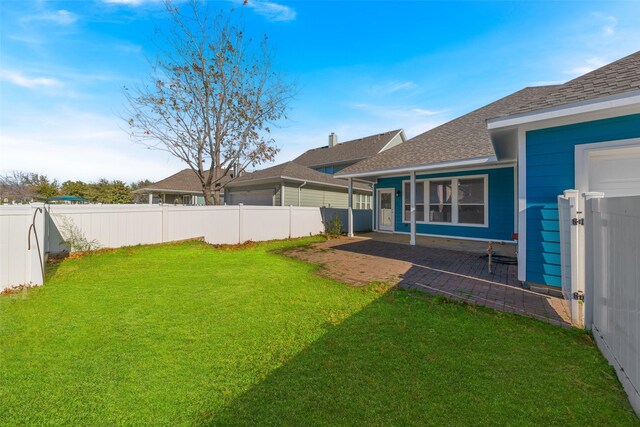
350	210
150	198
412	240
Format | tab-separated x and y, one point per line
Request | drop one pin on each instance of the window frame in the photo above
454	200
406	197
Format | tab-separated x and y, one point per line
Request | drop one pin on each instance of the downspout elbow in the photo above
300	191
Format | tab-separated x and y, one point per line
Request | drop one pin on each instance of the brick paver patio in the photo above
453	273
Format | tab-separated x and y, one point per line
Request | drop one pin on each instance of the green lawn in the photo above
187	334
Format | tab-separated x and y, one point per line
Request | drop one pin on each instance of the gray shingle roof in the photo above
294	171
463	138
186	180
618	77
348	151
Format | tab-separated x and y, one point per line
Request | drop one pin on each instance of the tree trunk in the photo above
217	200
208	197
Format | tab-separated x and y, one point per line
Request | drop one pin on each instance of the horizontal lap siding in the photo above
501	206
317	196
550	171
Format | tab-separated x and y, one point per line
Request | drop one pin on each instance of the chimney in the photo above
333	140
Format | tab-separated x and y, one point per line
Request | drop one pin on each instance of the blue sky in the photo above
361	68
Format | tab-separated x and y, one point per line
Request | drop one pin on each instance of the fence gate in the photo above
571	219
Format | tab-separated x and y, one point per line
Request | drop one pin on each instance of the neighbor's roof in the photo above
348	151
186	180
463	138
294	171
618	77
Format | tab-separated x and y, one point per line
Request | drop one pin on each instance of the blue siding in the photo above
501	206
550	171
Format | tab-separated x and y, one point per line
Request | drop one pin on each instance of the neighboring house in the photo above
291	184
308	180
494	174
182	188
336	156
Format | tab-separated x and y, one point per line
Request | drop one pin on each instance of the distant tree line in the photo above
24	187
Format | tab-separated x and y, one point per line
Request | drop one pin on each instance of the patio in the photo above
448	267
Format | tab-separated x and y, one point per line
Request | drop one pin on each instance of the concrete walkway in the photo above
457	274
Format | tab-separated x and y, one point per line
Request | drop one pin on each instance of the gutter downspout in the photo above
300	191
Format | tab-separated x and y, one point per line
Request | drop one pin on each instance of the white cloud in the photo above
72	144
126	2
272	11
19	79
60	17
610	23
397	112
392	87
588	66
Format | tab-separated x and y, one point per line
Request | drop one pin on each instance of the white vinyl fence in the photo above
21	245
25	238
612	288
113	226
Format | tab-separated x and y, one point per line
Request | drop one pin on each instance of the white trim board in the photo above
479	161
522	205
501	165
625	103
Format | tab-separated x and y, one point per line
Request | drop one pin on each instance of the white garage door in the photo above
615	172
252	198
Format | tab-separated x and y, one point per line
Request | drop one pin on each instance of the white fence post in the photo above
165	223
572	252
240	223
592	221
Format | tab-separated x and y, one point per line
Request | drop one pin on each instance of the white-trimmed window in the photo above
472	201
440	201
452	200
419	201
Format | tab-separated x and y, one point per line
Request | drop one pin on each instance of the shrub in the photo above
74	237
333	227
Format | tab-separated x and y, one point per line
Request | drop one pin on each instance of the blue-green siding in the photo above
550	171
501	206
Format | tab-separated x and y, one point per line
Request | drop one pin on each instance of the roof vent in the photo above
333	140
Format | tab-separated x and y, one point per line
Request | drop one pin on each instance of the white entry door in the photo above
385	209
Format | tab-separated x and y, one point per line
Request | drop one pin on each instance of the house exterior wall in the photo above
550	160
274	188
501	206
317	196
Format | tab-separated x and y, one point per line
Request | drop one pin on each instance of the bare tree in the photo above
24	187
211	97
